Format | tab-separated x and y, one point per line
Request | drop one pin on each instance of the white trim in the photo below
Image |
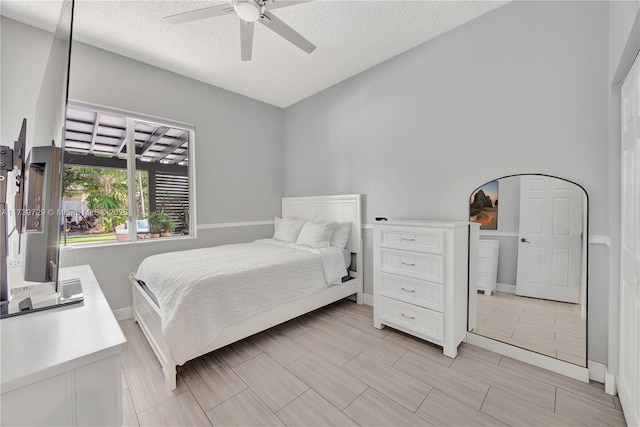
130	145
191	170
600	373
503	287
368	299
154	120
111	244
367	226
596	371
594	239
233	224
554	365
598	239
123	313
495	233
610	383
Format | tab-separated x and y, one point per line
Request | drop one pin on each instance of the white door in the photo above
551	232
629	375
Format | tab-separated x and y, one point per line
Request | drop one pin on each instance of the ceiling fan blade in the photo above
273	23
194	15
246	40
279	4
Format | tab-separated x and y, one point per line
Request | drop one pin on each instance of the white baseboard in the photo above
368	299
123	313
558	366
503	287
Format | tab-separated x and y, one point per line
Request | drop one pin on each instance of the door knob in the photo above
523	240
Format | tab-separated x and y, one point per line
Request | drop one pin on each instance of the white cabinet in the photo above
62	366
420	279
488	251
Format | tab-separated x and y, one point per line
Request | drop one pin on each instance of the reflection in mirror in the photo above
532	265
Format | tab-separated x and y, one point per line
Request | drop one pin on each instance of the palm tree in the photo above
105	191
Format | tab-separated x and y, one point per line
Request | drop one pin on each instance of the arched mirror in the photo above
531	279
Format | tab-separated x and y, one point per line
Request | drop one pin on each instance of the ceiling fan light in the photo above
247	10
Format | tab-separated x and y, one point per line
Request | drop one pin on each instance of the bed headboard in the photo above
340	208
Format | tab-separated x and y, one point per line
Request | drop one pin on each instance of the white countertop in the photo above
38	345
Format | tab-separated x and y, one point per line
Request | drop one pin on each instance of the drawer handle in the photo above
408	240
408	263
407	290
408	317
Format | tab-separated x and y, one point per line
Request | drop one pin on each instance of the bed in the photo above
278	282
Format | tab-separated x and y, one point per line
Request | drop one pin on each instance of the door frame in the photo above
625	384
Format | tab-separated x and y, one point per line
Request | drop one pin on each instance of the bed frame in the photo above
341	208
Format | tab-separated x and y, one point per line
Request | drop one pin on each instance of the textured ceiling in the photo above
351	36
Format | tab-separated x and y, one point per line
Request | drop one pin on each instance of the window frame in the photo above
132	117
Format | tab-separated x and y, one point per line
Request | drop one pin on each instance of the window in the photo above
125	177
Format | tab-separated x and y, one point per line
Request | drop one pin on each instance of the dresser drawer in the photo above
421	320
421	266
426	294
424	240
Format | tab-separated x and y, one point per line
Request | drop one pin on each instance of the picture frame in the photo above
483	206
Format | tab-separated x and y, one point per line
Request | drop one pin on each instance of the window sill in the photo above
126	242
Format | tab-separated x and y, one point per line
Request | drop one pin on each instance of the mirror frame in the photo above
586	268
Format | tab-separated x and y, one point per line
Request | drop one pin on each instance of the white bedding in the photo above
201	291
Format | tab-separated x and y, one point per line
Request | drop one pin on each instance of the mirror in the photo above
531	278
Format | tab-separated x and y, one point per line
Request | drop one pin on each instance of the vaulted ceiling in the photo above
351	36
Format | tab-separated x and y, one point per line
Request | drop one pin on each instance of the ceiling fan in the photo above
250	11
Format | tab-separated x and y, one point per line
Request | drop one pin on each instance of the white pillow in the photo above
341	232
315	235
287	229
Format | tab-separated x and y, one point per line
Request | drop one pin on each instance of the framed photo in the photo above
483	206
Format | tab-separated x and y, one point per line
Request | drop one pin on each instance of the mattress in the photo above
201	291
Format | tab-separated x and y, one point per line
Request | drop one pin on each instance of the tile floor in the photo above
332	368
547	327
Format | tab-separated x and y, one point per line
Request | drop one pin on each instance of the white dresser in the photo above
488	252
420	279
62	366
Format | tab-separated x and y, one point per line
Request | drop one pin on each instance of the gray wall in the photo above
509	205
623	14
23	61
239	169
24	52
521	89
